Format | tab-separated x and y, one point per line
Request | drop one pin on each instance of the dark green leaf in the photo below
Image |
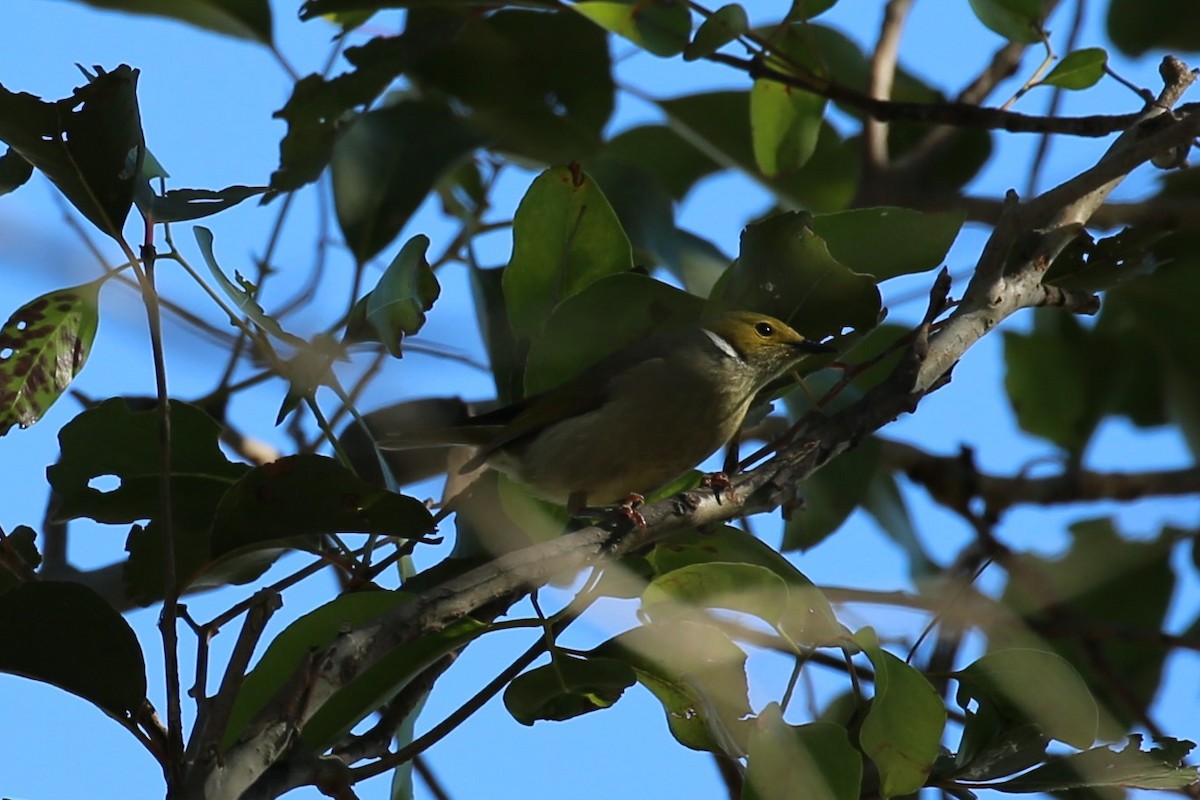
903	728
111	442
663	153
1079	69
536	84
607	315
817	757
90	144
396	307
886	242
831	495
180	205
246	19
567	688
19	557
14	171
786	270
719	29
1137	26
326	8
491	310
43	346
319	108
307	495
1053	382
385	165
661	27
1114	582
67	635
1015	20
565	237
717	124
643	208
699	676
1159	768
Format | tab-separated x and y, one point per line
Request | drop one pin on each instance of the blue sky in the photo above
206	104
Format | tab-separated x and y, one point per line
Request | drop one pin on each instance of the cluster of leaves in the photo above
536	86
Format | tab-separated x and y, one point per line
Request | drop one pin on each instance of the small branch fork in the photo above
1002	284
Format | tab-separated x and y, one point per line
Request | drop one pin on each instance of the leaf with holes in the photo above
90	144
43	346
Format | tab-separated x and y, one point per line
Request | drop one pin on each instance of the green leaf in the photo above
607	315
784	125
809	619
65	634
565	237
566	688
318	108
887	242
43	346
1079	69
1015	20
662	152
1159	768
1137	26
112	442
245	19
699	676
386	164
14	171
396	307
308	495
534	84
243	292
1056	354
786	270
1116	582
661	27
817	756
717	125
644	209
831	495
181	205
287	651
90	144
1033	686
718	29
903	728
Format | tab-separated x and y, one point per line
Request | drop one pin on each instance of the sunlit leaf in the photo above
1015	20
396	307
661	27
565	237
718	29
817	756
903	728
1079	69
43	346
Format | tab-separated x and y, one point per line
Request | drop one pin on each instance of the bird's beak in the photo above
814	347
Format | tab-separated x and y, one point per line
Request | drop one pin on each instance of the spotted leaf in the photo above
43	346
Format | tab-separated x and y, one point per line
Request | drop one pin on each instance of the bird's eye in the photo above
764	329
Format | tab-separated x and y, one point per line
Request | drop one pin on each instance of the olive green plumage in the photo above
638	418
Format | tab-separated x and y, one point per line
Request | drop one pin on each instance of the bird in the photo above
635	420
